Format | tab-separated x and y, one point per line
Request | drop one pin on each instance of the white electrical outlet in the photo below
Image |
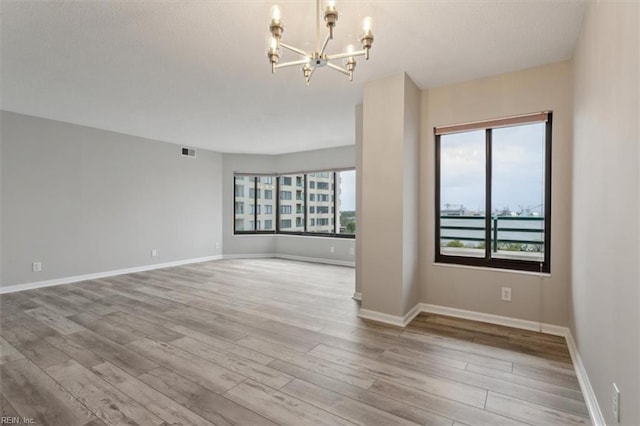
154	252
217	244
351	251
332	249
37	266
506	294
616	403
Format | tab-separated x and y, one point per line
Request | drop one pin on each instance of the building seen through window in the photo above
314	203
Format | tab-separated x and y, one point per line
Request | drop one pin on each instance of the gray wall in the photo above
286	245
358	290
606	204
1	173
535	297
82	200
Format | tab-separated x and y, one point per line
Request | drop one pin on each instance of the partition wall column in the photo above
388	229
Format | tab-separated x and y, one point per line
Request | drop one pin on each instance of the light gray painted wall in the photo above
389	146
317	248
410	196
358	196
606	204
298	246
535	297
1	174
83	200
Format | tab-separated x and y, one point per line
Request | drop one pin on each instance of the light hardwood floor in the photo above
263	342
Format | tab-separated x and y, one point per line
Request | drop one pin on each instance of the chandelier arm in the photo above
292	63
346	55
294	49
317	25
324	45
339	69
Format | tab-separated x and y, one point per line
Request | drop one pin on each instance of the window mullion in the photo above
304	202
547	196
437	207
335	222
487	195
255	203
277	195
235	202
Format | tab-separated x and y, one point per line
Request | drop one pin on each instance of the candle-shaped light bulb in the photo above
350	62
330	16
366	25
349	49
275	12
367	36
272	53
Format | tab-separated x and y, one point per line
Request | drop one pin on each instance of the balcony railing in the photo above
518	233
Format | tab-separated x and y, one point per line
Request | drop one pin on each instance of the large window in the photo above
247	190
320	198
314	203
493	192
346	202
292	203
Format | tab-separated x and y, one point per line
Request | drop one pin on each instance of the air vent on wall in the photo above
188	152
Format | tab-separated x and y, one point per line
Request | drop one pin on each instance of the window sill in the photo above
325	236
485	268
297	234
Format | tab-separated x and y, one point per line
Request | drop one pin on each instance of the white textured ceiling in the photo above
196	72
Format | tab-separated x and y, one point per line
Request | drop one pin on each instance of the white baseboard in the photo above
395	320
597	419
489	318
554	330
349	263
583	379
105	274
357	296
291	257
414	312
250	256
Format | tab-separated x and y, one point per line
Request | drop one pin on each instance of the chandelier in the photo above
319	58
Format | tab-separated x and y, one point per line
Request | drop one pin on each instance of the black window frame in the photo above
256	211
277	197
543	266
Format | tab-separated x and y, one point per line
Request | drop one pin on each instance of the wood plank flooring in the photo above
265	342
